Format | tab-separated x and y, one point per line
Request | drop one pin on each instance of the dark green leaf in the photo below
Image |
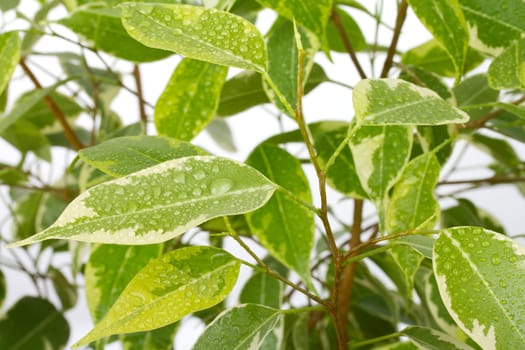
66	291
432	339
262	289
472	91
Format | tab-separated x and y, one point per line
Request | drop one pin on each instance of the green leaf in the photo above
342	176
283	60
433	57
103	28
466	213
444	19
262	289
7	5
33	323
425	78
168	288
160	202
66	291
422	244
40	114
283	226
480	274
195	32
109	270
190	99
475	90
311	14
25	137
432	339
408	261
245	90
125	155
246	327
434	139
507	71
157	339
396	102
493	25
412	205
380	153
352	31
219	4
219	130
9	56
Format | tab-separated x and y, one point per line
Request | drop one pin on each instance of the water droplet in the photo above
496	260
197	192
179	178
485	244
177	31
167	18
157	191
221	186
199	175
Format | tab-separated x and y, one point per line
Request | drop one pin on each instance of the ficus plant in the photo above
342	227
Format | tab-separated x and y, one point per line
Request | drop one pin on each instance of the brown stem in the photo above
480	122
493	180
344	295
140	96
400	20
53	107
336	20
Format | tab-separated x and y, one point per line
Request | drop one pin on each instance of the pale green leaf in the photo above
103	28
108	271
480	275
160	202
33	323
507	71
444	19
157	339
7	5
167	289
493	25
433	57
9	56
423	244
311	14
408	261
195	32
283	62
219	130
219	4
190	99
393	101
125	155
412	205
517	110
380	153
242	327
432	339
283	226
342	174
262	289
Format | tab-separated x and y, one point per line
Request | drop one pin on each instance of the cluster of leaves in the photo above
136	202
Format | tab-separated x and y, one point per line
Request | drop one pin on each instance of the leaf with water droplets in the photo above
160	202
200	33
481	279
242	327
432	339
180	282
412	205
444	19
507	70
283	226
124	155
493	25
189	101
397	102
103	28
311	14
9	55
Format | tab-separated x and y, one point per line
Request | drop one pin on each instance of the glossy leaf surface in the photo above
168	288
444	19
10	45
192	32
507	70
431	339
491	309
394	102
283	226
102	27
160	202
33	323
247	325
125	155
190	99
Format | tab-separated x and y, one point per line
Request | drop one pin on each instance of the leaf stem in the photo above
71	137
400	20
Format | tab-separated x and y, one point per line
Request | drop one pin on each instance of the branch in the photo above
400	20
493	180
336	20
480	122
53	107
140	96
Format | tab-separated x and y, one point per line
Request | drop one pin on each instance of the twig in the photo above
336	20
480	122
140	96
493	180
53	107
400	20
